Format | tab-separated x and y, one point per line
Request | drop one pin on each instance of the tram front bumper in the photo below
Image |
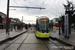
43	35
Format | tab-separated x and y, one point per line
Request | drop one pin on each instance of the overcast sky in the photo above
54	8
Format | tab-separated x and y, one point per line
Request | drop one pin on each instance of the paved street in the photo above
28	41
2	32
62	38
13	33
27	20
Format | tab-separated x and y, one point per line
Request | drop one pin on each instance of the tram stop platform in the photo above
70	41
12	34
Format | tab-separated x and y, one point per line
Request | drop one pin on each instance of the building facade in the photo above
55	20
14	23
2	20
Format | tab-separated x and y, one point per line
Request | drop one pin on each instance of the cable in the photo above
23	3
15	2
31	3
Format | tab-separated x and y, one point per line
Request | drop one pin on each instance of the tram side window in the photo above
37	26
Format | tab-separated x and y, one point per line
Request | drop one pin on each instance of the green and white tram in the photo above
42	26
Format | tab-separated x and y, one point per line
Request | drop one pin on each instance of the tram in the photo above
42	26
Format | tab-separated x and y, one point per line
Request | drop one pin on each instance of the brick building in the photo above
2	20
13	22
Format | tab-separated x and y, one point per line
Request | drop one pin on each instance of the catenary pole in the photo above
7	19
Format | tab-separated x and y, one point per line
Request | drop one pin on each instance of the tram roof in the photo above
42	17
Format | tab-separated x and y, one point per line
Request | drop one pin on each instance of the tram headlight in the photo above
40	31
48	31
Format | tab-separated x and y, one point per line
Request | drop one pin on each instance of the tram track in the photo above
55	44
62	47
22	42
12	42
44	44
9	44
47	47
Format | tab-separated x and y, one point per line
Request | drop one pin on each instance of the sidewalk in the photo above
70	41
12	34
16	33
3	35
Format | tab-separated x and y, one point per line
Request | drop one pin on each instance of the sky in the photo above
54	8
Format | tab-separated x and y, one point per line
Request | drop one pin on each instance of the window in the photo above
44	24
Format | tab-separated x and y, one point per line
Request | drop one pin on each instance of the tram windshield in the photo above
44	24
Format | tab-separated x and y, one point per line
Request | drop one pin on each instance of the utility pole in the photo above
7	21
68	12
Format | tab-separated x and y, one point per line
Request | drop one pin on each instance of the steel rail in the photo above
22	42
13	42
55	44
44	45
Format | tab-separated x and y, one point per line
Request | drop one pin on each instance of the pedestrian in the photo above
74	27
26	26
31	28
62	27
